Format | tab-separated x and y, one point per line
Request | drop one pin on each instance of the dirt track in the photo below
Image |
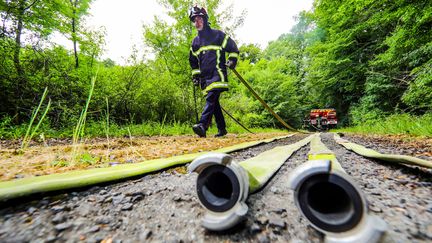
162	207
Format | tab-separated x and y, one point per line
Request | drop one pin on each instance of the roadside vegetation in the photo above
369	60
101	130
397	124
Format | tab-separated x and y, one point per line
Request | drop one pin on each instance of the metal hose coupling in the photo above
222	187
333	203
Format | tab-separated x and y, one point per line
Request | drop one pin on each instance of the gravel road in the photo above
162	207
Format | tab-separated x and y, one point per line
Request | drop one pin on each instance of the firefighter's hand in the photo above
231	64
196	81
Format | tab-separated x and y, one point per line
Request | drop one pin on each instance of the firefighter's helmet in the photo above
197	11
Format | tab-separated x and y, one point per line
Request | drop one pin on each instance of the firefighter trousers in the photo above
212	107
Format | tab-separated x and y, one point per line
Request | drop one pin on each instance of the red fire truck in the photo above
321	119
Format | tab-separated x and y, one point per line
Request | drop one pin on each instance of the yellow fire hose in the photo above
75	179
331	201
262	167
224	185
263	102
369	153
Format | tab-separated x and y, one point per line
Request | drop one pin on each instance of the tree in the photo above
73	11
36	19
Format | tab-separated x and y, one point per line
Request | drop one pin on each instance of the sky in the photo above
265	21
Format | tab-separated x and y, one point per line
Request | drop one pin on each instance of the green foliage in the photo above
250	53
28	136
10	131
59	163
367	59
87	159
396	124
375	56
79	128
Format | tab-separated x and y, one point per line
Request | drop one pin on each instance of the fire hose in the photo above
331	201
237	121
262	101
369	153
223	185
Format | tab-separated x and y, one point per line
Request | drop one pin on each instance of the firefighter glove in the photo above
231	64
196	81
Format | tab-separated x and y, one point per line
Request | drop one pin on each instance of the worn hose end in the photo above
332	202
222	188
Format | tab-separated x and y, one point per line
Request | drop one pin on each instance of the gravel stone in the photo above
103	220
84	209
103	192
57	209
280	211
127	206
62	226
59	218
254	228
137	198
275	190
31	210
262	220
145	235
94	229
263	238
117	199
277	223
50	238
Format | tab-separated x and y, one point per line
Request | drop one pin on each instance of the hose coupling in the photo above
222	188
332	202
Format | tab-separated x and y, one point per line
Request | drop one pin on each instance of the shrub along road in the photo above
163	206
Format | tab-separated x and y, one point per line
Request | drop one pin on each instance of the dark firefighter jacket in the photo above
207	58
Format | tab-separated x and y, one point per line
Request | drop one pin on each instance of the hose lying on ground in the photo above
369	153
75	179
224	185
331	201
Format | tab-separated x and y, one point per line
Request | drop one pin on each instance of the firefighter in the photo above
209	68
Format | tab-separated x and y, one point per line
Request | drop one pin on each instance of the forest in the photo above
370	60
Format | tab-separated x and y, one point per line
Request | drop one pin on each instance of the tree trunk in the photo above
18	33
74	34
21	80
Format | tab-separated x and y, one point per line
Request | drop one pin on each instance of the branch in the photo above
398	79
31	5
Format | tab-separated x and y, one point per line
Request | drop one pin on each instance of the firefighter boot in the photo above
199	130
221	133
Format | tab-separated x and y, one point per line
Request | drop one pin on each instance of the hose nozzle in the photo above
222	188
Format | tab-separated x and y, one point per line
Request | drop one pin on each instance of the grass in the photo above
111	130
79	128
78	132
396	124
29	135
107	127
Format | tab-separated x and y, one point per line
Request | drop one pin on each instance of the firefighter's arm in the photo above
196	72
193	61
232	51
